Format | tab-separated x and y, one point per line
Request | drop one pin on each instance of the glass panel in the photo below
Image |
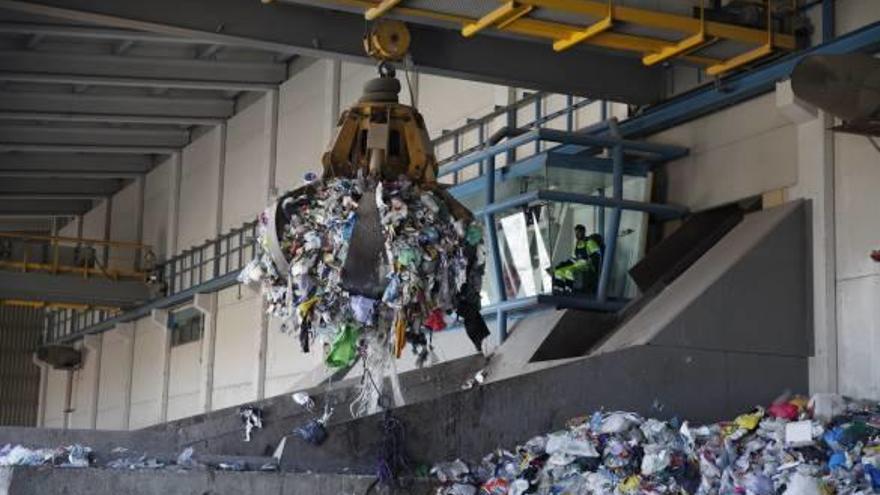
537	247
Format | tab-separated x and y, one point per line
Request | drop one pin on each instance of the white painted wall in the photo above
82	400
123	226
857	180
146	379
304	124
156	203
738	152
183	384
247	165
199	190
56	385
115	367
236	352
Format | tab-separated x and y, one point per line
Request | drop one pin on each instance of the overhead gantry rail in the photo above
658	36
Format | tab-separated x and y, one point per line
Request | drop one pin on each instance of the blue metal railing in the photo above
207	267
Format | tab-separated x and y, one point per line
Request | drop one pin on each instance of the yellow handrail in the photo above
74	240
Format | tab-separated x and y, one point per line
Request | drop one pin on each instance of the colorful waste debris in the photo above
75	455
431	271
785	450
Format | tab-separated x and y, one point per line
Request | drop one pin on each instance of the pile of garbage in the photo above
829	445
67	456
433	266
79	456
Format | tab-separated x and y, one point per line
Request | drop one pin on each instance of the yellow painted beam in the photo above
378	11
666	21
608	39
684	46
740	60
549	30
72	240
580	36
502	16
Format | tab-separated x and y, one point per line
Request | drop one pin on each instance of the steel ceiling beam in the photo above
40	225
134	82
23	196
72	148
107	118
75	163
44	207
322	32
92	136
88	104
100	33
27	187
148	68
69	174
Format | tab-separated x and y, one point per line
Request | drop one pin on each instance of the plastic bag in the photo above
343	350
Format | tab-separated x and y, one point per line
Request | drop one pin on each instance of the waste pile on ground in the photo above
433	265
829	445
67	456
80	456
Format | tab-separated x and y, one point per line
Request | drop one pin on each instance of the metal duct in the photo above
847	86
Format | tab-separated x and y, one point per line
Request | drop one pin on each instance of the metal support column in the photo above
569	113
613	224
828	20
492	238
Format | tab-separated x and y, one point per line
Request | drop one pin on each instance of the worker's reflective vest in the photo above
585	248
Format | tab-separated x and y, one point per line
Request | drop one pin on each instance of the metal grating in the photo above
20	329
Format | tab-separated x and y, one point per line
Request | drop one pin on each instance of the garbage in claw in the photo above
830	445
376	255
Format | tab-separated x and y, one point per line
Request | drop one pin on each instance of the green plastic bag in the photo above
474	234
343	350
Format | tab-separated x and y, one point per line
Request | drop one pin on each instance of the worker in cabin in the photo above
581	272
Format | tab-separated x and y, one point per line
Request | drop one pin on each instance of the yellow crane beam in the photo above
500	17
666	21
378	11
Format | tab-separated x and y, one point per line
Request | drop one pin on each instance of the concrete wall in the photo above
114	382
237	348
738	152
856	181
147	369
156	204
199	190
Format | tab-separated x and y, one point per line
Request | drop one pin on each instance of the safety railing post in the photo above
538	111
217	242
456	149
481	138
172	276
569	113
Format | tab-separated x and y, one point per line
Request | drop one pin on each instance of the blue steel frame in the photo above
616	146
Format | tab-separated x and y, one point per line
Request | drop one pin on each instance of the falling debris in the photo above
252	417
785	449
